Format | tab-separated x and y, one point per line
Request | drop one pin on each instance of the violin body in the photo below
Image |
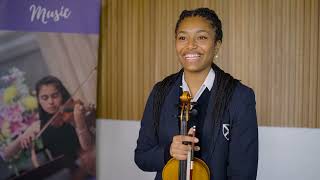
200	170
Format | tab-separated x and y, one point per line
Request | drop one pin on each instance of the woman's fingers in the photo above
180	139
79	108
179	147
22	143
179	150
37	127
182	153
191	130
78	112
29	135
196	148
26	141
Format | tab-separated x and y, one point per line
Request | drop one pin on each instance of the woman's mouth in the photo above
191	57
52	109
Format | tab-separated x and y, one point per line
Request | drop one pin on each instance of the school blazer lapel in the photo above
171	110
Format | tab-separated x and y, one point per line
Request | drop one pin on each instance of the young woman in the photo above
227	133
68	134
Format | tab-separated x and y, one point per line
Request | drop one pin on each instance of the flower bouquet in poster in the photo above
18	110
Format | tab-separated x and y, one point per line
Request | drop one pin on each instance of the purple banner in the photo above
71	16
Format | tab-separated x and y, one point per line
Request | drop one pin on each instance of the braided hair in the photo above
206	13
161	90
225	82
225	87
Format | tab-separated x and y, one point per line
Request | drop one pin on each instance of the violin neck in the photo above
185	165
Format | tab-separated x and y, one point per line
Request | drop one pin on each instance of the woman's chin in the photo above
192	67
51	111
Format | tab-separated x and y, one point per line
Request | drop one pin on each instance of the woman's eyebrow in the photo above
181	32
201	31
54	93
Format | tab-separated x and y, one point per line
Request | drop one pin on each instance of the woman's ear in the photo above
217	47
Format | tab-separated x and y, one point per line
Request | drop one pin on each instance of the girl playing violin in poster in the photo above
66	126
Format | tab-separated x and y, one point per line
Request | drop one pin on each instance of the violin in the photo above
65	113
192	168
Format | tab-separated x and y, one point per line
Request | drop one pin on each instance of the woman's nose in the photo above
50	100
191	44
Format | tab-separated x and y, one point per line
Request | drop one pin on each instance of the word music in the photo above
44	15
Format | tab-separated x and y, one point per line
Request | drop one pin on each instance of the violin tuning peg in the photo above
194	112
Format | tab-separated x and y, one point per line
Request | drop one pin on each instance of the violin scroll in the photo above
185	97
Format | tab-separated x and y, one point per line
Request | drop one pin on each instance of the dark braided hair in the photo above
206	13
162	89
225	87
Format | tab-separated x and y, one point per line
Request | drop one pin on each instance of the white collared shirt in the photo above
208	83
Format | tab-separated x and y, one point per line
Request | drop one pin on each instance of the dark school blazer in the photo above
229	147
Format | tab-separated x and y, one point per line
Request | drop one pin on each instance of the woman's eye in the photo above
55	95
44	98
203	37
182	38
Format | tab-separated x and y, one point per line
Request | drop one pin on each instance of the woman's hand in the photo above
88	161
79	116
178	150
30	134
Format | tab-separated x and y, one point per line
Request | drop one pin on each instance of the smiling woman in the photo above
227	132
196	46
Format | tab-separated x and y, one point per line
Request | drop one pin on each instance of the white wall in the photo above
284	153
116	141
289	154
